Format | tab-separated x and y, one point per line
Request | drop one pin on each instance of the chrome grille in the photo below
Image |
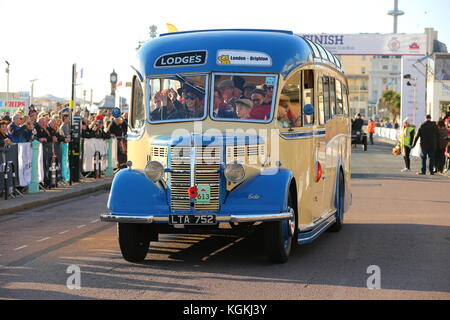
207	165
248	154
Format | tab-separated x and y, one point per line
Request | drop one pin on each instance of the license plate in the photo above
192	219
204	194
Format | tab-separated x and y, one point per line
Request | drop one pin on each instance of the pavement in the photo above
86	186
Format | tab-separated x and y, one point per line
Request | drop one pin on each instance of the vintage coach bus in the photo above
230	130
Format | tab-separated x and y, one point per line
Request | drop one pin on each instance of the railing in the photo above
40	166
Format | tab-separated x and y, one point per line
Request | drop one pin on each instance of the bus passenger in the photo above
225	109
193	106
260	110
248	91
269	94
218	99
238	86
243	108
284	116
165	102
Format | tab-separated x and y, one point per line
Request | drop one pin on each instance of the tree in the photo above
391	100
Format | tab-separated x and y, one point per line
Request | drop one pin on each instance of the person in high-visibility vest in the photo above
371	130
406	140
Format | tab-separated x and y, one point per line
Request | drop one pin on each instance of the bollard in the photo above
34	184
5	179
65	170
109	169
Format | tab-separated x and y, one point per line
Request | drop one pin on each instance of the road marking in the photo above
82	226
42	240
95	221
20	248
222	249
64	232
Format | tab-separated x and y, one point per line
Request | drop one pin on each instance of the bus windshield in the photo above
178	98
243	97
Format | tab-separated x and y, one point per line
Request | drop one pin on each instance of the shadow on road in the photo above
417	263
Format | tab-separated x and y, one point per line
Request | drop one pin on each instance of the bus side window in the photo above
345	99
289	111
308	95
137	115
339	100
320	101
326	97
333	110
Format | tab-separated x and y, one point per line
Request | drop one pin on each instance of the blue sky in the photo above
41	39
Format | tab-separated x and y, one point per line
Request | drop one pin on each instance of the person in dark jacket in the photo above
42	134
20	132
98	132
5	139
358	123
55	133
86	133
429	138
442	146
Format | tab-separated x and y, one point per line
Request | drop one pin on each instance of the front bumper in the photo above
220	219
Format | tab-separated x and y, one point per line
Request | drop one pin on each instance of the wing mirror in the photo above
308	110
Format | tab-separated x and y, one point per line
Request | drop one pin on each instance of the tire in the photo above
337	226
134	241
279	237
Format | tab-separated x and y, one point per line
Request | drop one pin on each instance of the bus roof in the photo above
231	50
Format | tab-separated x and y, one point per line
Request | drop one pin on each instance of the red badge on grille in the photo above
193	192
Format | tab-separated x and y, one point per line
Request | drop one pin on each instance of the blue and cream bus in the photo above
231	130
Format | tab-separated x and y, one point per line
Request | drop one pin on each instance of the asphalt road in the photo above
399	223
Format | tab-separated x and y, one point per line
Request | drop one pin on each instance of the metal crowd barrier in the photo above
9	172
46	165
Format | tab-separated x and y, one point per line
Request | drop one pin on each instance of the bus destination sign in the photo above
181	59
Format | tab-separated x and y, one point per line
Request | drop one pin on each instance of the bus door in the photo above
320	145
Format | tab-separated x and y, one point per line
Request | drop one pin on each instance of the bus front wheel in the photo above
134	241
279	237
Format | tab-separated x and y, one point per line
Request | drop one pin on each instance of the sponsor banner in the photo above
372	44
442	65
14	101
243	58
181	59
25	163
91	146
413	96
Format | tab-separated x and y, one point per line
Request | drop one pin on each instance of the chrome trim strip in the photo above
318	222
233	218
322	229
263	217
126	219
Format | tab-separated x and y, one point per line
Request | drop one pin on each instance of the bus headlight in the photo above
234	172
154	171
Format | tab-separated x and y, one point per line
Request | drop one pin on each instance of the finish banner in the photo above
372	44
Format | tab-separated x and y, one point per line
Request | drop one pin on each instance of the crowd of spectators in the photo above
55	126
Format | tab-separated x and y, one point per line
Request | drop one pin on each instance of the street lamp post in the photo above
412	82
7	82
32	90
